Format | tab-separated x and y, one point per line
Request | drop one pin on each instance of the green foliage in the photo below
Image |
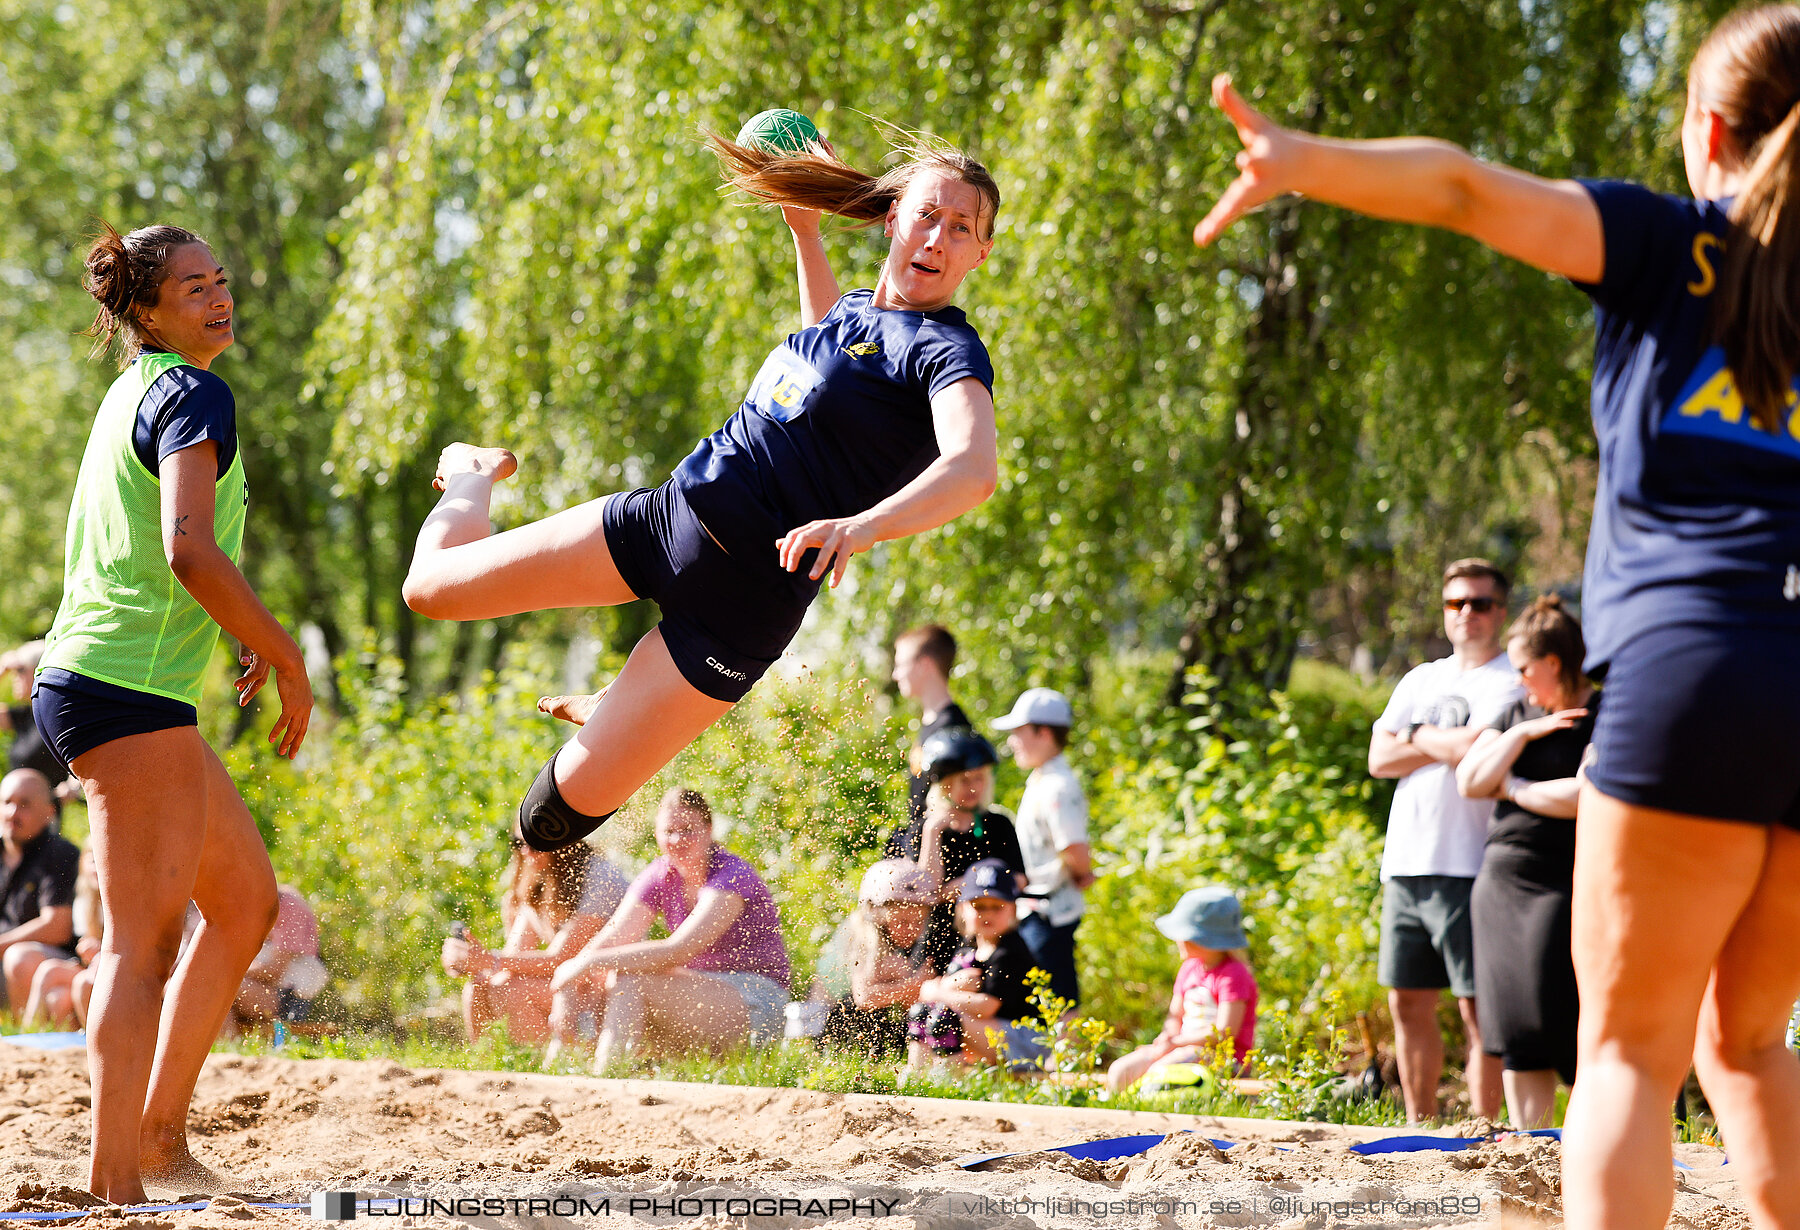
1284	814
1072	1050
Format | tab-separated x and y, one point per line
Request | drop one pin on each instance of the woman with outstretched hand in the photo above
875	421
1687	864
150	577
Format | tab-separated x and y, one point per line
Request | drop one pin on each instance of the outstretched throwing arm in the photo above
1552	224
965	473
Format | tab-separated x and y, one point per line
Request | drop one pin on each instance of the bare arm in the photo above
1392	756
965	472
1552	224
713	915
887	980
569	940
55	925
189	483
1482	773
1078	863
1556	798
818	284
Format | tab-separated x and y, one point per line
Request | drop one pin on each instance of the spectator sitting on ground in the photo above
986	989
287	974
28	750
555	902
874	978
38	870
960	828
61	988
1214	1002
719	978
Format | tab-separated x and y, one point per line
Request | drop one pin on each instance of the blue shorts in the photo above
725	621
76	714
1704	721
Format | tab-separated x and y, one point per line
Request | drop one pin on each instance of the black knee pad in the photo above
546	821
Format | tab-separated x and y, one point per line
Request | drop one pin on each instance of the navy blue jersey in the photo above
837	420
182	407
1697	512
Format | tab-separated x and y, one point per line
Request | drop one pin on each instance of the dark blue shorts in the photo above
76	714
1704	721
725	621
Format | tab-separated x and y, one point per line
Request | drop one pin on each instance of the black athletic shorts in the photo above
725	621
1704	721
76	714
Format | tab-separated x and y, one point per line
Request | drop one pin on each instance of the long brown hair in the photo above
124	272
1748	73
1546	628
815	178
552	891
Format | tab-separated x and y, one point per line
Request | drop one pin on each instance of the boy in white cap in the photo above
1052	827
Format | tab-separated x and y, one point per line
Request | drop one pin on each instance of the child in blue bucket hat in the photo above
1214	1001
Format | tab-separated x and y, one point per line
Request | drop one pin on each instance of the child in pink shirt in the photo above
1214	1000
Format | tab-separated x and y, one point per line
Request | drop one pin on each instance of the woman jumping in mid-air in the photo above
874	422
1687	859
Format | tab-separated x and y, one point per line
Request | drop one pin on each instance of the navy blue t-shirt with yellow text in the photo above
1697	512
837	420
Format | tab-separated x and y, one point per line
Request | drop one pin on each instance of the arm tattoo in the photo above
179	532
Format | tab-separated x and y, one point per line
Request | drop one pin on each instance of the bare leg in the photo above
1530	1098
1656	895
235	891
691	1009
147	797
21	966
1482	1073
1129	1069
1750	1077
649	714
49	1002
1418	1049
461	569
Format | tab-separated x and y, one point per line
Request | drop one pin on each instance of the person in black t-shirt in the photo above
923	658
986	990
1529	760
37	885
960	828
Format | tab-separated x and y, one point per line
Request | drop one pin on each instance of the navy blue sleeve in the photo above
942	356
1650	248
183	407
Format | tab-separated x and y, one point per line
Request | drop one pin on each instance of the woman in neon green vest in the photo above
150	576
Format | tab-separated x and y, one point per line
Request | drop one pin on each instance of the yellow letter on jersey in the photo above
1717	396
1708	279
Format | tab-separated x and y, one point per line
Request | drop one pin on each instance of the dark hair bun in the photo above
123	272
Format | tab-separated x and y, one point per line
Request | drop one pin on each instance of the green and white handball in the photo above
779	129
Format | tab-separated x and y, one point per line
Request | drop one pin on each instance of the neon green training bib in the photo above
124	618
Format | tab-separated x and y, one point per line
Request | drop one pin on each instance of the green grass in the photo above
803	1067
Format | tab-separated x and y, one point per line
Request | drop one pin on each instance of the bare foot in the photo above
166	1162
493	463
575	709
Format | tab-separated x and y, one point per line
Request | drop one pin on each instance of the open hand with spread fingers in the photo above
1265	165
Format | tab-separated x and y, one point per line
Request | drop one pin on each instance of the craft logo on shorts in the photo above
334	1206
725	670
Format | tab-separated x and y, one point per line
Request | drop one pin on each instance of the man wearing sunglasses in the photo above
1435	836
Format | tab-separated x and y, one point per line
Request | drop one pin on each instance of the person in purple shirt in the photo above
874	421
721	975
1686	888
